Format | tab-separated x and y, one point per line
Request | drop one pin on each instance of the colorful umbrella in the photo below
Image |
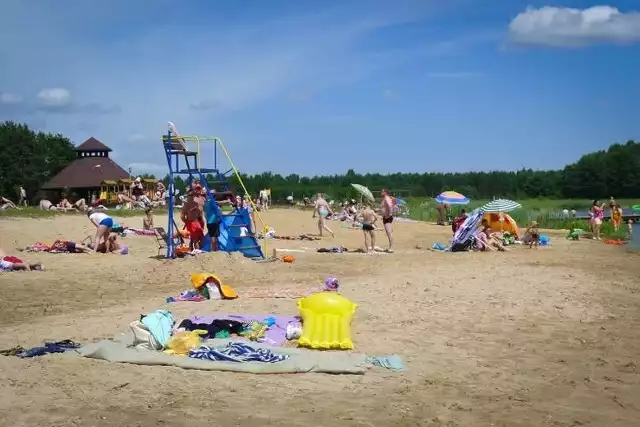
364	191
501	205
468	228
452	198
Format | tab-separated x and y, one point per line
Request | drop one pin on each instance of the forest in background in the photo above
32	158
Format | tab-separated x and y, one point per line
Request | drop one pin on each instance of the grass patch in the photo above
27	213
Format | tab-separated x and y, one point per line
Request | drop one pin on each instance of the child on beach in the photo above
574	233
367	217
534	234
630	228
147	221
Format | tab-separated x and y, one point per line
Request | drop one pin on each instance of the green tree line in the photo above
31	158
611	172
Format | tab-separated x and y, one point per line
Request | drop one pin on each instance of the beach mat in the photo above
299	361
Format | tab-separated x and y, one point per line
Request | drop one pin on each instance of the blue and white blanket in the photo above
237	352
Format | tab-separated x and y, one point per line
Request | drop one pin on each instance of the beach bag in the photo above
463	247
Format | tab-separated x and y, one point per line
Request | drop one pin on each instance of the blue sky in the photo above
313	87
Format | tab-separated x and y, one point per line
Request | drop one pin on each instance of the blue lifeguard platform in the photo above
235	228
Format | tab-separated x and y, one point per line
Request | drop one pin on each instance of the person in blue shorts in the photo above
103	224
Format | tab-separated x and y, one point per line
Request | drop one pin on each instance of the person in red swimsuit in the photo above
459	221
192	216
12	263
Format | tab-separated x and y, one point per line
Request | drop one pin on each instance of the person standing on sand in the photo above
597	215
192	217
322	210
386	208
213	215
367	217
23	197
616	216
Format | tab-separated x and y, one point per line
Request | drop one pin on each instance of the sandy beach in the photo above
542	337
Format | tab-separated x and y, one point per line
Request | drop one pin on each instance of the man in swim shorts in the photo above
322	210
191	215
386	209
367	217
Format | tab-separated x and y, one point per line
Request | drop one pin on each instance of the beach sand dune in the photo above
546	337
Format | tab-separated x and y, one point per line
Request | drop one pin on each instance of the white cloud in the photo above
59	100
52	100
567	27
10	98
54	97
229	62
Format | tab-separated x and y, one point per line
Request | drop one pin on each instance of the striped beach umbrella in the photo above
452	198
501	205
468	227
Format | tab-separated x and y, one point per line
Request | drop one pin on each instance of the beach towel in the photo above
57	247
237	352
50	347
333	250
299	361
38	247
139	232
393	362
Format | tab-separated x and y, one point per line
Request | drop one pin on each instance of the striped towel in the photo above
237	352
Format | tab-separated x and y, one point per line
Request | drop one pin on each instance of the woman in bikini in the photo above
322	210
488	238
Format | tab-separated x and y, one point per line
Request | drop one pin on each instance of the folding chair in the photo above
162	238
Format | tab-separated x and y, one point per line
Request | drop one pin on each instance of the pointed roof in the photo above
87	172
92	144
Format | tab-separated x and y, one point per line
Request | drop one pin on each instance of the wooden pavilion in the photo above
85	175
